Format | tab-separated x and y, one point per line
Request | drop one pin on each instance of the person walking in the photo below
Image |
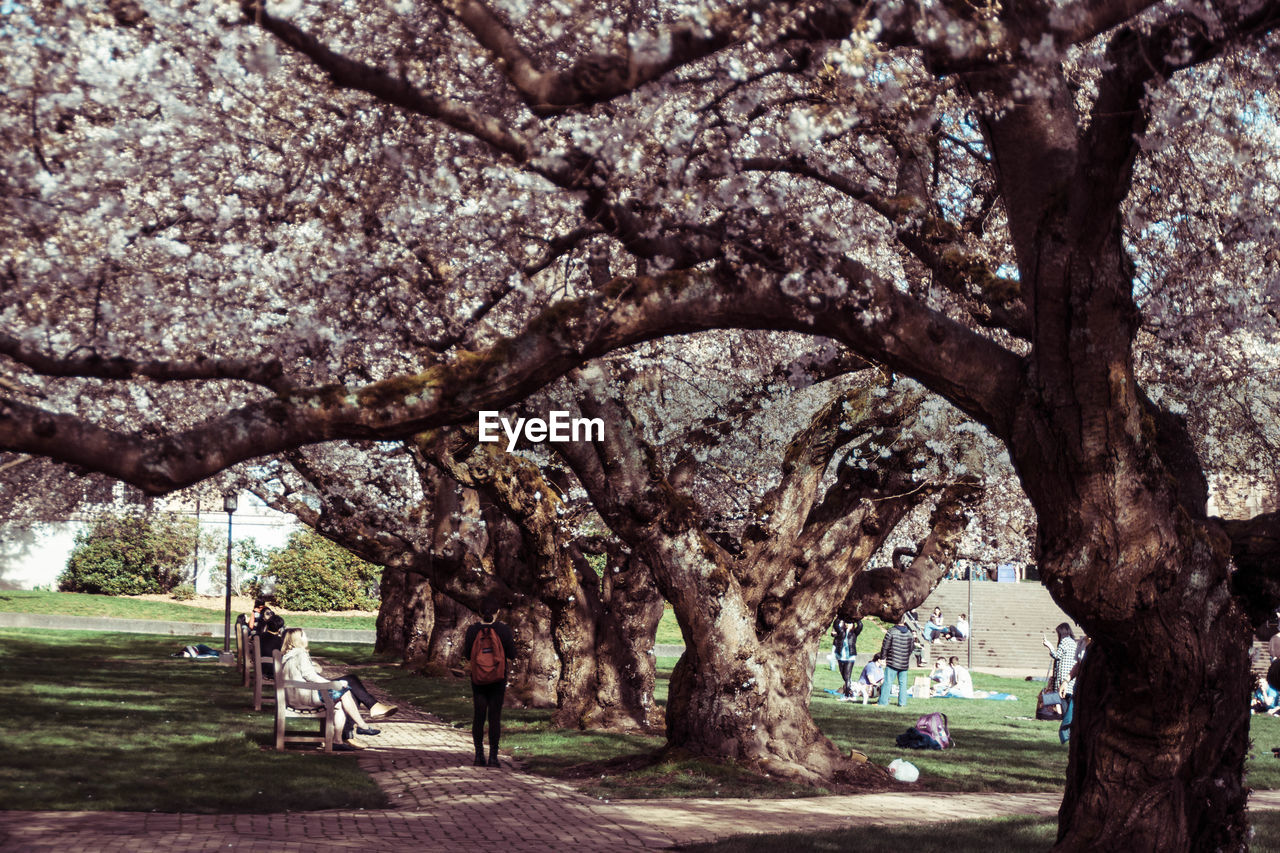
489	648
898	647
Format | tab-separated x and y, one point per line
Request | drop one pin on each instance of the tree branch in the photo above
90	364
350	74
1136	58
889	592
601	76
991	299
872	317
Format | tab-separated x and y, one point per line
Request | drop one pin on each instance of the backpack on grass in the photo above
935	726
488	658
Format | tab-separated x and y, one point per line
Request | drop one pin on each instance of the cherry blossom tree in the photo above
365	224
752	607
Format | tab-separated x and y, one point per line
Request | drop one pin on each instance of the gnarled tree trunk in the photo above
752	619
603	682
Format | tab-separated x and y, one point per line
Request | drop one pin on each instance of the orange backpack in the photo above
488	658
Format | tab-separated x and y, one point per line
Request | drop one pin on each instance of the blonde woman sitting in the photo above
296	665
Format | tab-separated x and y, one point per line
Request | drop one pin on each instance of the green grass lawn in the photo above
121	607
999	746
111	722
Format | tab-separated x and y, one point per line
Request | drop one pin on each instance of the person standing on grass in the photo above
1064	655
898	647
489	648
844	640
1069	692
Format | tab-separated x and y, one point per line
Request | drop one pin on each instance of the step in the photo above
1008	621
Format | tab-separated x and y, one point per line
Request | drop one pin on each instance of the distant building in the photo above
33	556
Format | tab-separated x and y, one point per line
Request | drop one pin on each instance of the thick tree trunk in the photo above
602	682
391	613
627	669
604	638
1161	722
442	651
734	698
405	614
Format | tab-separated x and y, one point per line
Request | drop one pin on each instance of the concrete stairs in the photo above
1007	623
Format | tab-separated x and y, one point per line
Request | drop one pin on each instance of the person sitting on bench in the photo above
296	665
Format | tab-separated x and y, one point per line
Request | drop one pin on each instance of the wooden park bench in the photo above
257	674
325	717
242	648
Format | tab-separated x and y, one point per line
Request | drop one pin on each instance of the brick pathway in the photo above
425	768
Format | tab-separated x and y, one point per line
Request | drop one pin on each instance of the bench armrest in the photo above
322	687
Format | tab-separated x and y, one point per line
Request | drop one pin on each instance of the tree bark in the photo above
595	627
752	620
1161	724
404	613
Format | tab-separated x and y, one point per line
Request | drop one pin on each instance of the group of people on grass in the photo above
351	694
893	661
888	671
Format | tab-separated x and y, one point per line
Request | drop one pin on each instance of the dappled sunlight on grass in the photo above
112	722
1000	748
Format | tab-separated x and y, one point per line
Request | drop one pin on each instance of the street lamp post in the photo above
229	504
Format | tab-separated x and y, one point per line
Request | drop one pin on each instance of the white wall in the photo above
34	557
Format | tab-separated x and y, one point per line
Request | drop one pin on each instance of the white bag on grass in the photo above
903	771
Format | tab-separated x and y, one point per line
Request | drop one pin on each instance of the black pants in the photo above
358	691
846	671
362	696
488	703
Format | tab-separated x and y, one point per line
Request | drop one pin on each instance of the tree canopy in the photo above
234	230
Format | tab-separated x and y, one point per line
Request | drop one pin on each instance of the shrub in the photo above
312	573
131	555
184	592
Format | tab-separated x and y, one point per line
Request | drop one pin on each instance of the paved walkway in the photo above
438	797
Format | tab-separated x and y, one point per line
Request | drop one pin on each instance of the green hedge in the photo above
131	555
312	573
